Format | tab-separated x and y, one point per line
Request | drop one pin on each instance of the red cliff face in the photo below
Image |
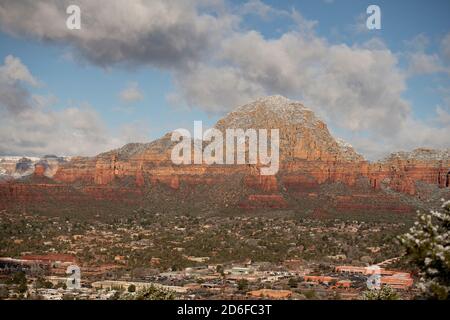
78	169
402	171
310	160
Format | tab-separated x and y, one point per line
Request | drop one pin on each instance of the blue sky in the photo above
71	70
75	82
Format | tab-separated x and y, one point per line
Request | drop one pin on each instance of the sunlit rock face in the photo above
402	170
316	169
303	138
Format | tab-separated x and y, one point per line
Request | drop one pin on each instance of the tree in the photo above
385	293
42	283
4	292
68	296
292	283
22	288
242	284
61	285
220	269
428	248
310	294
131	288
18	278
154	293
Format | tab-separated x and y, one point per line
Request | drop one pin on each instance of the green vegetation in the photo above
143	235
428	248
242	285
4	292
310	295
385	293
293	283
154	293
42	283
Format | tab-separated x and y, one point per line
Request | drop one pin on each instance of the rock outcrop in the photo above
402	170
18	167
311	159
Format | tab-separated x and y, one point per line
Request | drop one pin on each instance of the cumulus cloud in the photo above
259	8
419	61
359	26
132	93
13	70
35	131
353	86
162	33
443	115
356	88
30	126
14	76
419	43
422	63
216	65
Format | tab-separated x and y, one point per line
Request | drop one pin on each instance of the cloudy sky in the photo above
140	68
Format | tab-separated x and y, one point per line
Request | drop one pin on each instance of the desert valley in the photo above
130	217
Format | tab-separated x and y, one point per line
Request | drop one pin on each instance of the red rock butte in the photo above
317	173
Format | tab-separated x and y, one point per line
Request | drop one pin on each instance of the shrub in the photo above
385	293
428	248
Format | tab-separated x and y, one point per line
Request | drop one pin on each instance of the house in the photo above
121	259
319	279
239	270
398	281
54	258
270	294
344	284
155	261
197	259
124	285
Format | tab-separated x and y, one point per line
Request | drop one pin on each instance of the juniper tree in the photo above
384	293
428	248
150	293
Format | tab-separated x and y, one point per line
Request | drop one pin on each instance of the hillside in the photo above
318	173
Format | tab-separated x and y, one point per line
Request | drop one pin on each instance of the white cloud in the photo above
418	44
30	126
217	66
360	25
72	131
355	88
14	76
137	131
214	89
422	63
259	8
342	83
443	116
132	93
13	70
158	32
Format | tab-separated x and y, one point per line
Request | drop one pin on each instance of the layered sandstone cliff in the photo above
18	167
310	160
402	170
